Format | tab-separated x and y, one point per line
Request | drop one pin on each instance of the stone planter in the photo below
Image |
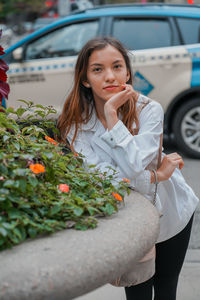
71	263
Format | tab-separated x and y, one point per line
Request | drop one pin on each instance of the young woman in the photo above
113	126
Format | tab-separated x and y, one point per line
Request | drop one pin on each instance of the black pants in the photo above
170	256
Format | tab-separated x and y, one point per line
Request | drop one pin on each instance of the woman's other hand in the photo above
168	165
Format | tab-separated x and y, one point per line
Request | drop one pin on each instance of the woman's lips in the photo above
111	87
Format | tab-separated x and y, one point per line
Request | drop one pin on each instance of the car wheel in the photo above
186	128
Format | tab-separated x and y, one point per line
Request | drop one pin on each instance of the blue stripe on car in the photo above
194	53
41	68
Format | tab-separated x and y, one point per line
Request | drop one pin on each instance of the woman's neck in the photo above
100	114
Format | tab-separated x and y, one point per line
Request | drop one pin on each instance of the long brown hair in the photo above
79	104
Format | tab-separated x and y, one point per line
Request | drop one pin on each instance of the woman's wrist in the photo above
111	116
159	176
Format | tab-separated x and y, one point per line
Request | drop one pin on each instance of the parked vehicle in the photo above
164	43
42	22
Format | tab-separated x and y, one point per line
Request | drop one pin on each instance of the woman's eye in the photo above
117	66
97	69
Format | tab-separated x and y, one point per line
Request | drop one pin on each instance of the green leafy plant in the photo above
44	187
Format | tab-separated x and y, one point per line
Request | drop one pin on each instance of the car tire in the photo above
186	128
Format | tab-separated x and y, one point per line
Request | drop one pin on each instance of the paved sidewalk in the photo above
188	289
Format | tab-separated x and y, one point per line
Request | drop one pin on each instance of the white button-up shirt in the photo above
130	155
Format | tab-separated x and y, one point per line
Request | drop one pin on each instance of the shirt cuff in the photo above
143	183
117	134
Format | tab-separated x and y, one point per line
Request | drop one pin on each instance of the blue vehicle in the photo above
164	43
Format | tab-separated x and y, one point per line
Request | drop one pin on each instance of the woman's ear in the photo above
86	84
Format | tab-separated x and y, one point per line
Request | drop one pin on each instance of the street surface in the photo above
191	173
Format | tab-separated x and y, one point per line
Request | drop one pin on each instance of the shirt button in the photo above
111	139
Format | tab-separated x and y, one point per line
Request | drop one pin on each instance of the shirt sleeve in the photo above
141	183
132	154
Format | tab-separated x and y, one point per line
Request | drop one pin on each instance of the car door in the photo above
45	74
159	65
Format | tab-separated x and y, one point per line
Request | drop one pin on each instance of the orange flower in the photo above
117	196
75	154
52	141
64	187
37	168
126	180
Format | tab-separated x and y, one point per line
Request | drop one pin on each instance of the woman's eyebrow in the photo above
96	64
117	61
114	62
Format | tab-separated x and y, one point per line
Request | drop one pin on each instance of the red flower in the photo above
1	51
64	188
4	89
126	180
3	75
52	141
4	86
117	196
3	65
37	168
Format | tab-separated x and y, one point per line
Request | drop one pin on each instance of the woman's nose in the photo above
109	75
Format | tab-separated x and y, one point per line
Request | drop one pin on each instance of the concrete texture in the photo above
188	288
70	263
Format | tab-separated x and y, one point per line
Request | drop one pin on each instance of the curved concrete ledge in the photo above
71	263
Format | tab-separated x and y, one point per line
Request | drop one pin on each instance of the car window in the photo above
190	30
138	34
64	41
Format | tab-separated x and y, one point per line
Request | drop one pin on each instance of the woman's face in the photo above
106	73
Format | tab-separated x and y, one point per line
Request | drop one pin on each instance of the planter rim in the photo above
71	263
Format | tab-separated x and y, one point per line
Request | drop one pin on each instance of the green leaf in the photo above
2	242
39	106
109	209
20	172
27	156
54	210
78	211
99	200
5	138
22	185
3	231
33	181
10	110
32	232
49	155
16	145
14	213
93	210
28	103
3	169
20	111
20	233
4	191
8	225
9	183
82	227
